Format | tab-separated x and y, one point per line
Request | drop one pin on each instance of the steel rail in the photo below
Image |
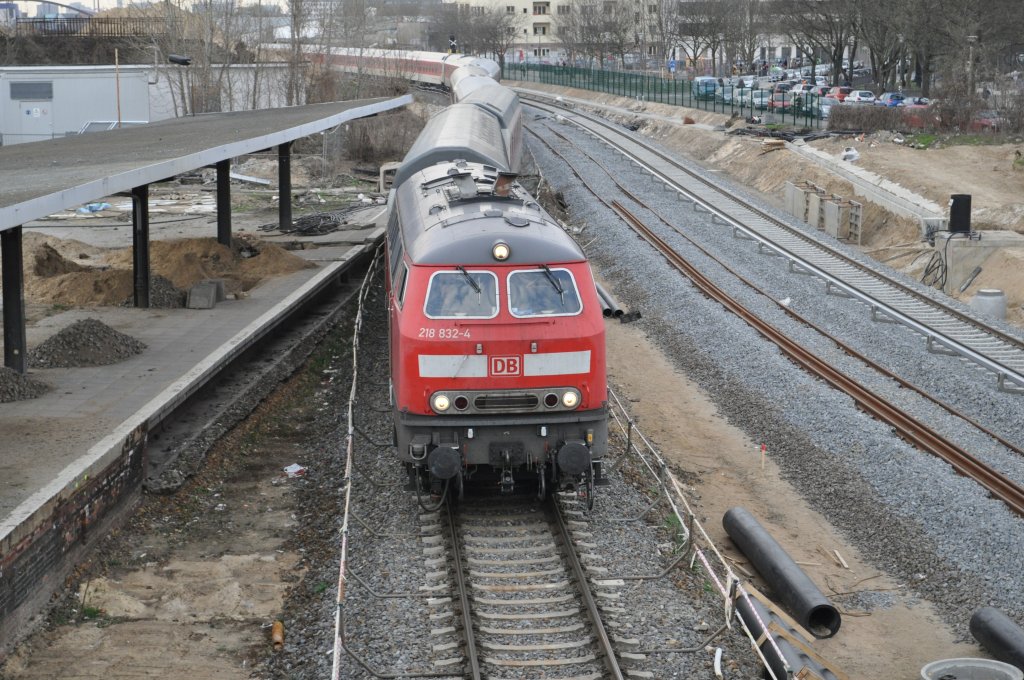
909	428
952	331
790	312
611	663
460	585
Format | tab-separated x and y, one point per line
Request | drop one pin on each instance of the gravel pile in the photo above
162	295
894	502
15	387
88	342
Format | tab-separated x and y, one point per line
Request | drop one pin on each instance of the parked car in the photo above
704	87
759	99
825	105
919	102
919	115
839	92
781	87
986	121
780	102
890	99
860	97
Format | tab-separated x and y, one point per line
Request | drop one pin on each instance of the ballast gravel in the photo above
905	509
87	342
15	387
397	610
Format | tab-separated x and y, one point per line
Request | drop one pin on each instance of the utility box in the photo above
960	213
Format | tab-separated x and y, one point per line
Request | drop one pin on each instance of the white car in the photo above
860	96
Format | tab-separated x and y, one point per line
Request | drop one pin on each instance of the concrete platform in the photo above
71	455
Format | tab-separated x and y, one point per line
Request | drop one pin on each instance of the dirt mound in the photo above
53	277
51	263
15	387
188	261
88	342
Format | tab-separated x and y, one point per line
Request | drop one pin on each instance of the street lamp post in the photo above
901	68
853	47
185	61
971	39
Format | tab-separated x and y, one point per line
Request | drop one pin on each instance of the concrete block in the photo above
837	217
219	285
814	217
203	295
961	255
797	196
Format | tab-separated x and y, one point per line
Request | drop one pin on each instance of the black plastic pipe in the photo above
997	633
610	306
798	594
791	655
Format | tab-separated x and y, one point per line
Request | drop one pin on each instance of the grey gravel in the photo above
390	628
87	342
162	295
906	510
15	386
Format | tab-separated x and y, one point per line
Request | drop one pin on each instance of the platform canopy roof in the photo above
41	178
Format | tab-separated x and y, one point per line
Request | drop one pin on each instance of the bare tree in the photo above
496	31
827	25
692	29
748	28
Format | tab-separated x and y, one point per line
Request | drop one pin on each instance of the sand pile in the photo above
88	342
14	386
66	273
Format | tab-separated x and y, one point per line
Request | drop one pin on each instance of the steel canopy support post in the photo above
13	299
224	202
284	184
140	244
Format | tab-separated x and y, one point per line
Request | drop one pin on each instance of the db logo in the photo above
506	365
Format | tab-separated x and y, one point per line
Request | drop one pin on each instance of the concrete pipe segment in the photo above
798	594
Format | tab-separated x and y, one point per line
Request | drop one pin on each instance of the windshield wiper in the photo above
469	278
552	279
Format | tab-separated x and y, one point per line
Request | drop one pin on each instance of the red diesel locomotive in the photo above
497	337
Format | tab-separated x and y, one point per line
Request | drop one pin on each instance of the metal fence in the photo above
800	110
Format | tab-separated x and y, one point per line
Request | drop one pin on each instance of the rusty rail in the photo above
910	429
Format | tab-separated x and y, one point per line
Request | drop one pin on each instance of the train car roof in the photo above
470	71
452	213
498	98
468	85
461	131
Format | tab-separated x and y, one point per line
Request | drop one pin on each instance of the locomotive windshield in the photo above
462	294
542	292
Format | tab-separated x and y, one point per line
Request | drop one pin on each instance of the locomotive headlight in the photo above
570	399
501	251
441	403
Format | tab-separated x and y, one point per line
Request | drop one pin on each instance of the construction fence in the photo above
801	111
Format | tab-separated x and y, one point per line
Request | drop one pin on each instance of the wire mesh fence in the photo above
708	94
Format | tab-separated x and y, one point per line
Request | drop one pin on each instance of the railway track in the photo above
524	603
909	428
945	329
